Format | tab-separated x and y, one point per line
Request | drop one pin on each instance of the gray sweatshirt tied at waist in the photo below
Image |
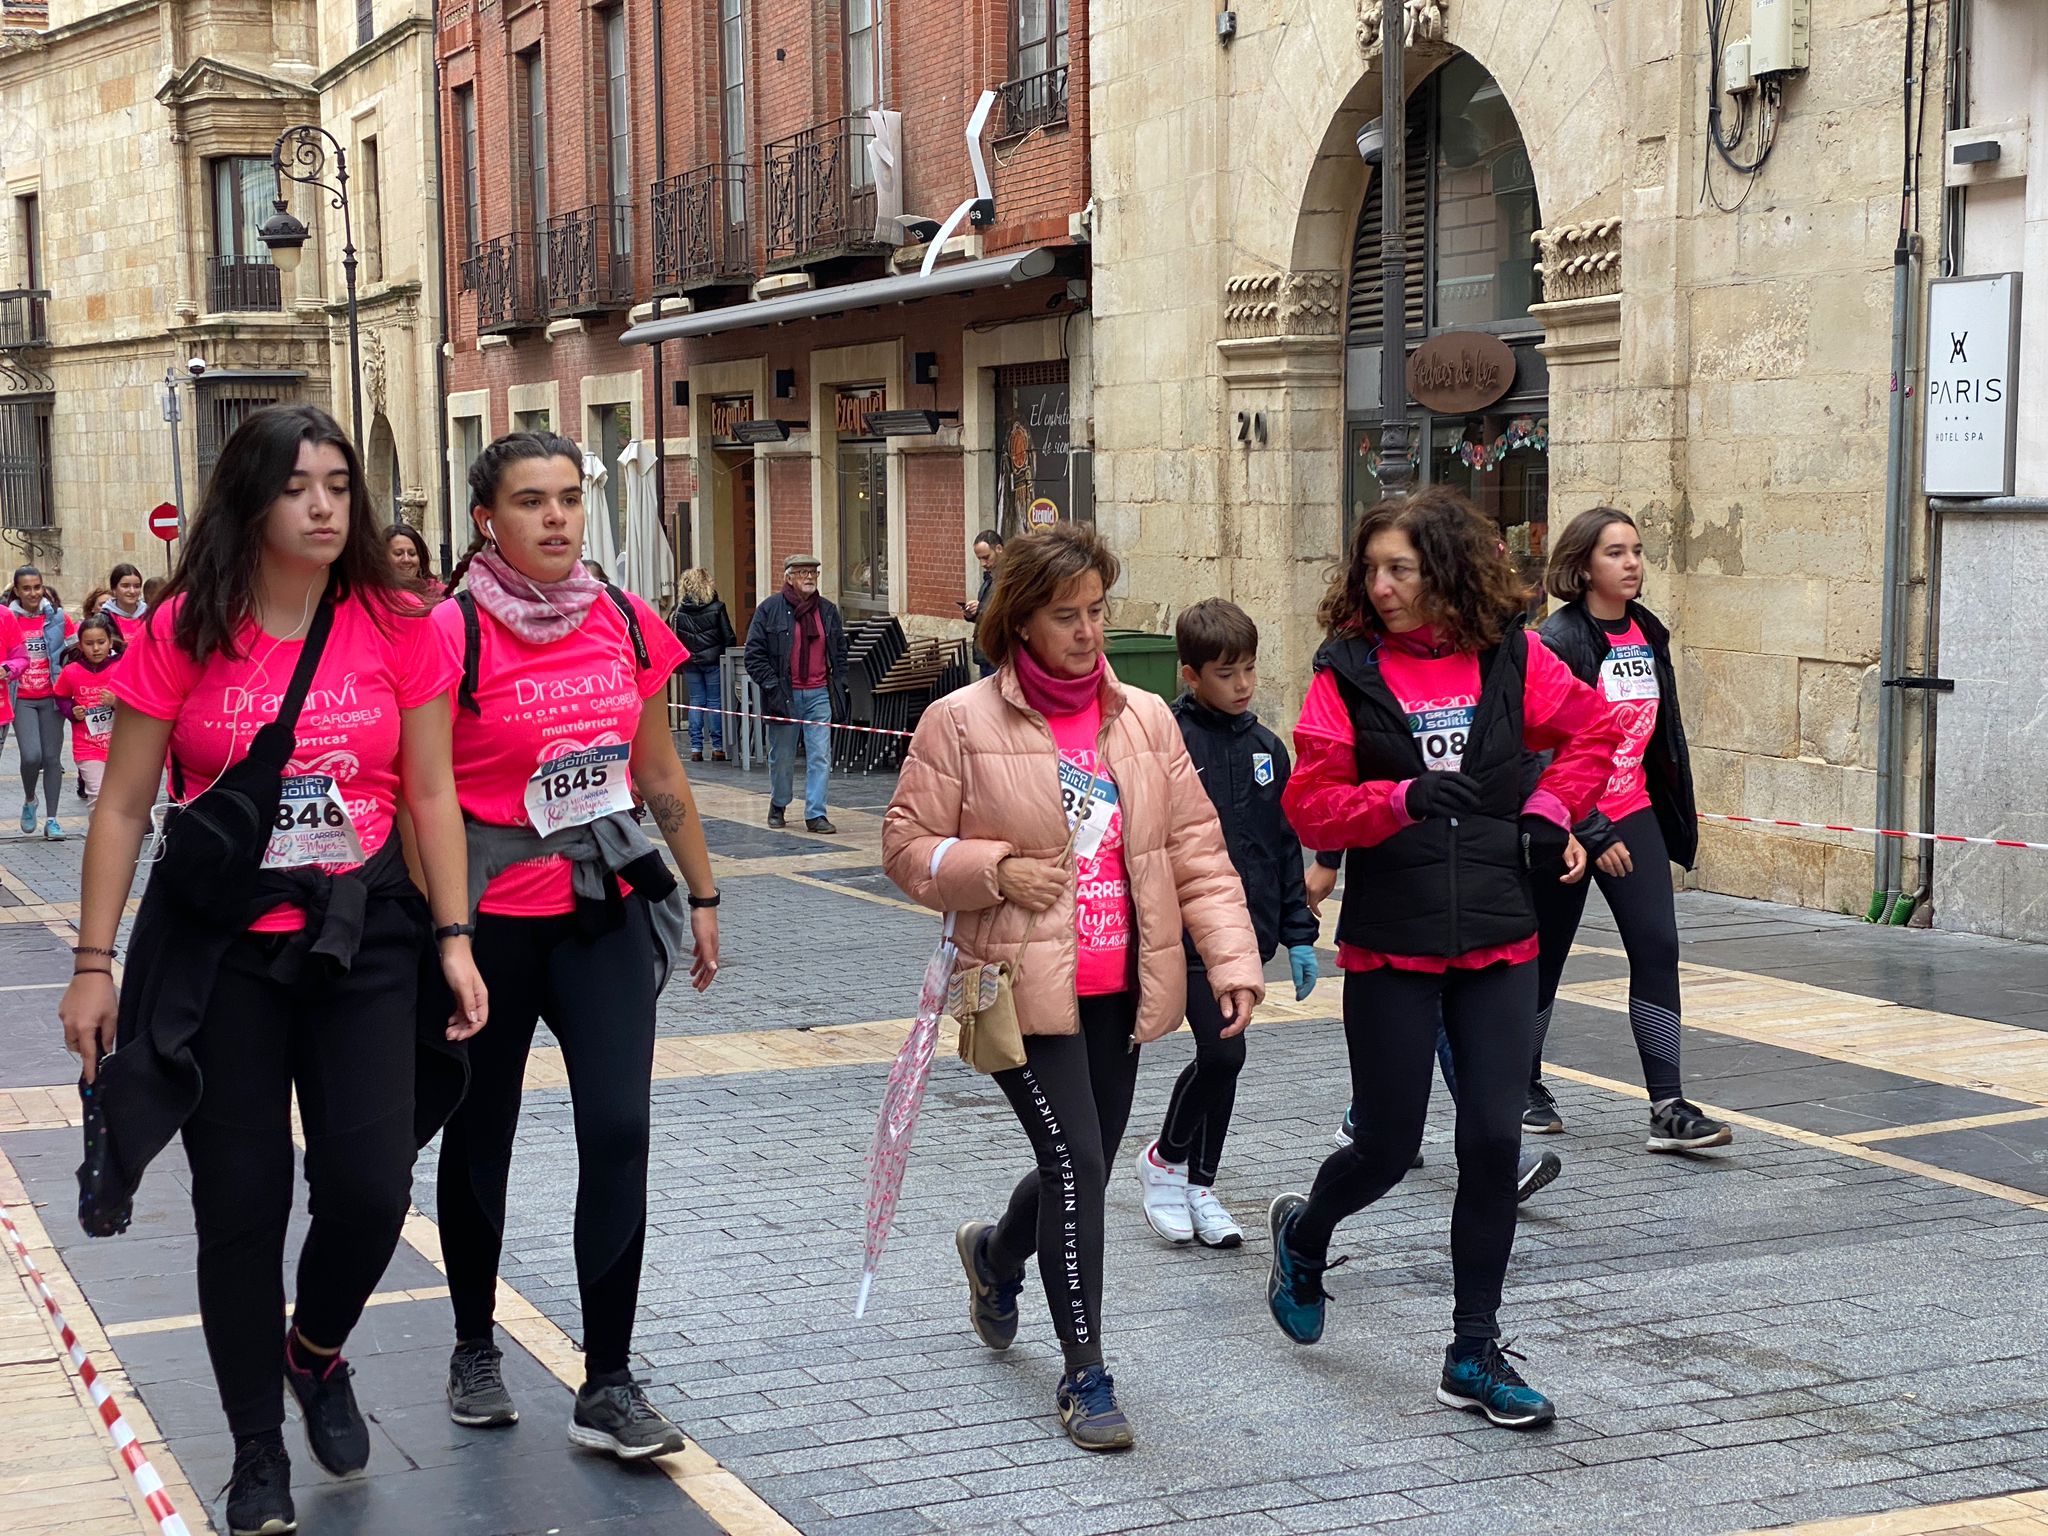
595	850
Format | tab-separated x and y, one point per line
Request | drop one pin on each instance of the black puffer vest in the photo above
1445	886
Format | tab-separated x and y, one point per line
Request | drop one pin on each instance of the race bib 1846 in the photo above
580	787
313	826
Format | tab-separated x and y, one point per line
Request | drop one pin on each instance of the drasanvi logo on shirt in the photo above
527	691
241	703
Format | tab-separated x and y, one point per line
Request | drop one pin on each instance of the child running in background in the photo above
84	690
1244	767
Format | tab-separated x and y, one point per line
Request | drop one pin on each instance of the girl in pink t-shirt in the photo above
561	725
39	624
1644	821
309	992
86	693
1410	754
126	607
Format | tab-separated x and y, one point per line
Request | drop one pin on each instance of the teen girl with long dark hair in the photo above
310	990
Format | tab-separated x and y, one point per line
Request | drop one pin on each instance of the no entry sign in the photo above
163	522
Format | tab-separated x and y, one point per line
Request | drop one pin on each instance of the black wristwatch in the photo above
455	931
701	903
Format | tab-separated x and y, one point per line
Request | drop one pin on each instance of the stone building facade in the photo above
704	258
136	144
1713	360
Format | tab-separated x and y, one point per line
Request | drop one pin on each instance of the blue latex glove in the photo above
1301	960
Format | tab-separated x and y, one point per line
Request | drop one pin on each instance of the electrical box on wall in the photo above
1736	75
1779	36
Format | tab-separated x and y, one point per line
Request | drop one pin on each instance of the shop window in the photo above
1040	478
863	505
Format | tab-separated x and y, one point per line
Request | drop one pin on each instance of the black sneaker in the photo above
477	1397
1347	1133
1534	1171
335	1431
991	1298
777	816
1485	1383
1680	1127
1089	1412
1541	1117
615	1416
822	825
260	1491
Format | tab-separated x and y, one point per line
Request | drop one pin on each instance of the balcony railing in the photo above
1036	101
590	259
25	462
507	285
703	227
820	193
242	283
24	319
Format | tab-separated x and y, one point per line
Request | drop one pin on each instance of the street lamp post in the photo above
1397	461
300	156
172	415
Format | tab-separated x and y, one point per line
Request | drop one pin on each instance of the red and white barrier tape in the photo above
1923	837
1740	821
168	1520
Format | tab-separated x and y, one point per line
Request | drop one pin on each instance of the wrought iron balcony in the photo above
590	259
238	284
507	284
24	319
1036	101
820	193
703	228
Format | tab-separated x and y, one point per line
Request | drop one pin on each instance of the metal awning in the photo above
994	272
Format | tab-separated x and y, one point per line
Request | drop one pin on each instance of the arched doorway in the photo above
387	483
1472	206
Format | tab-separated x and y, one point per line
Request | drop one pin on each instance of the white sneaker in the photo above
1165	1188
1213	1226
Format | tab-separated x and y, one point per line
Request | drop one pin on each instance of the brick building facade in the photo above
683	242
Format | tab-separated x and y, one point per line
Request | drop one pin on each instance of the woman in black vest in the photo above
1409	755
1643	822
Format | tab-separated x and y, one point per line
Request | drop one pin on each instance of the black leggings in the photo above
347	1045
1073	1096
1390	1025
1642	906
597	995
1198	1114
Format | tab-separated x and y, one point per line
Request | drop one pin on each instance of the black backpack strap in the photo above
472	643
626	609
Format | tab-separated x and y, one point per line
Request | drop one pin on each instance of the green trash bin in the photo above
1144	660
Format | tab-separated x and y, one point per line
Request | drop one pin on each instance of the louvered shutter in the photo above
1364	309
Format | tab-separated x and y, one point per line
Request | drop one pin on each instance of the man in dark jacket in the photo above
796	655
1244	767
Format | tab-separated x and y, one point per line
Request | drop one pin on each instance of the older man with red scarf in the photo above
796	655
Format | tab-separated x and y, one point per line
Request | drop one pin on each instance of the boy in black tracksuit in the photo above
1244	767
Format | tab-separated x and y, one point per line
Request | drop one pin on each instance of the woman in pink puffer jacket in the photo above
980	818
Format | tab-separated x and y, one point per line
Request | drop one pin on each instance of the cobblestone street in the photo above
1833	1318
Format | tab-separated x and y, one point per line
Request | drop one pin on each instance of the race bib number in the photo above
1629	674
1096	812
99	722
313	825
1441	734
38	646
579	788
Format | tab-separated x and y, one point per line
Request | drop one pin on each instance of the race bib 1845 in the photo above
580	787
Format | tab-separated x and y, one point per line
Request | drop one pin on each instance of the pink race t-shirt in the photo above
538	703
375	665
92	690
1102	886
38	680
1628	681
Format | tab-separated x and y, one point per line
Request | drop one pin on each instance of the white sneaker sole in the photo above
601	1440
1473	1405
482	1420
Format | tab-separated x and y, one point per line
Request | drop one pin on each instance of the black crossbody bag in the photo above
213	844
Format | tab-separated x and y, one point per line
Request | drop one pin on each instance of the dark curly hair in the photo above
1472	593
